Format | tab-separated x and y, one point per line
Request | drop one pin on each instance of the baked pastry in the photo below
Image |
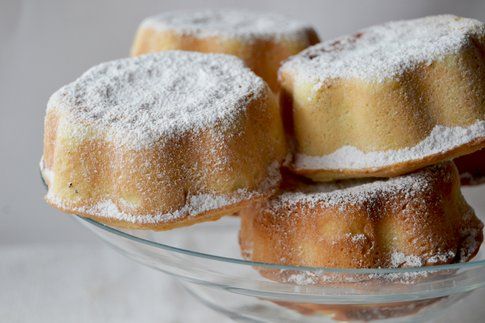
262	41
418	219
387	100
361	313
162	140
472	168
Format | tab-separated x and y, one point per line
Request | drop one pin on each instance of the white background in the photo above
52	269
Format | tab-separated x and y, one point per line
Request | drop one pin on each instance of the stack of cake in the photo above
351	167
394	101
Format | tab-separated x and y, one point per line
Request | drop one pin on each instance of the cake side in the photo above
413	220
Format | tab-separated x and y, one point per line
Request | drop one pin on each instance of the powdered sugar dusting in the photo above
399	259
318	277
359	191
303	278
358	237
194	206
134	102
444	257
441	139
354	192
384	51
241	24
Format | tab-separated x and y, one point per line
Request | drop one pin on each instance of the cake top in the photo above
242	24
133	102
359	191
384	51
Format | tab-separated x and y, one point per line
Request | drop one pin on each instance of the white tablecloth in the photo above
92	283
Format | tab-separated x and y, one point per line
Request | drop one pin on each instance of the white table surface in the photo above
92	283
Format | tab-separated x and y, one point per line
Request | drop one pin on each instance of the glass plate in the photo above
206	259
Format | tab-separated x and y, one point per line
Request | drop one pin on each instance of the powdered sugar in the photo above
241	24
194	206
355	237
358	237
444	257
318	277
304	278
399	259
440	139
134	102
354	192
384	51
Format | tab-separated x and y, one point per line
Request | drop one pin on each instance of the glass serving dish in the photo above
206	259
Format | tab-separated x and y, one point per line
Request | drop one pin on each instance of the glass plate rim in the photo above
354	271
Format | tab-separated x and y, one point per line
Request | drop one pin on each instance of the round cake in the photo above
413	220
387	100
162	140
262	41
472	168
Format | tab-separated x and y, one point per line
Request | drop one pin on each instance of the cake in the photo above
162	140
262	41
472	168
413	220
361	313
387	100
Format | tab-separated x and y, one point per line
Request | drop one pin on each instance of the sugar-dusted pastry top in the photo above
358	191
133	102
229	23
384	51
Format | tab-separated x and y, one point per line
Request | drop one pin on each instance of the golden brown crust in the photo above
426	225
263	56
